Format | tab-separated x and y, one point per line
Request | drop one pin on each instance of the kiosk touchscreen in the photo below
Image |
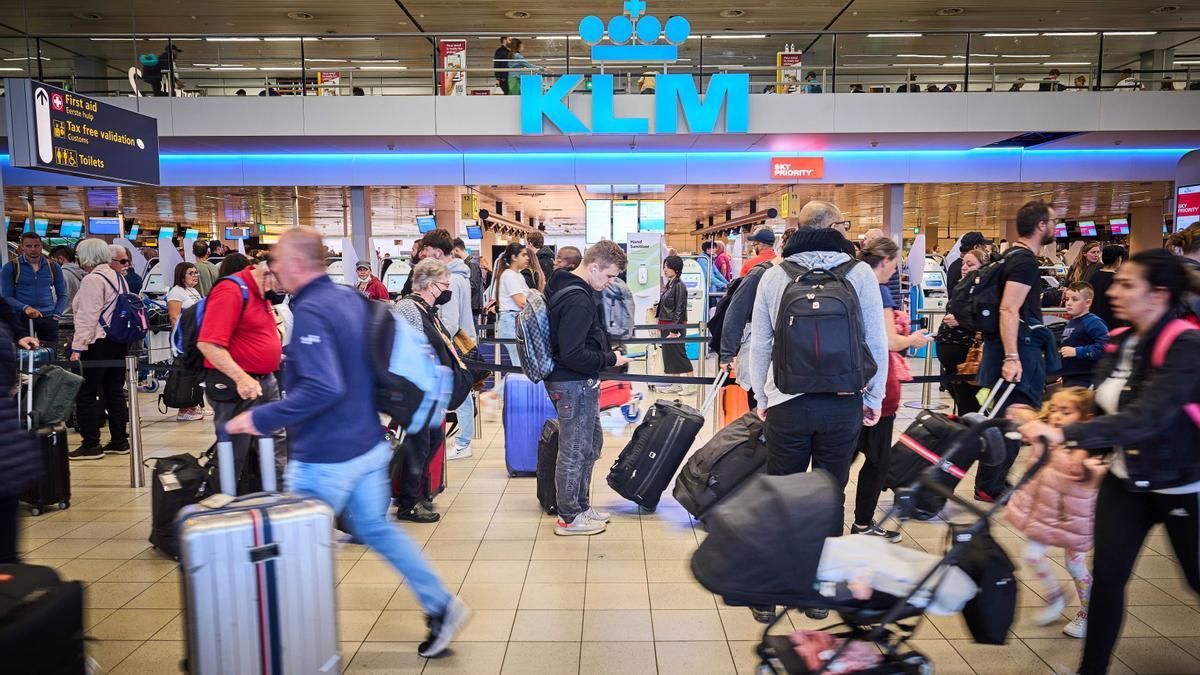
396	276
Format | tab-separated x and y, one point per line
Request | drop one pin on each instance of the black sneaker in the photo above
87	452
442	629
417	514
874	530
117	448
426	504
817	614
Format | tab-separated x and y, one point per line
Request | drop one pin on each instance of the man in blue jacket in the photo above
337	452
34	287
1083	338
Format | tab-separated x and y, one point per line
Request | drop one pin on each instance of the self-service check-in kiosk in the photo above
695	279
396	276
930	293
336	272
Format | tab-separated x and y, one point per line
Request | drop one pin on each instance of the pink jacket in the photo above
1058	507
94	296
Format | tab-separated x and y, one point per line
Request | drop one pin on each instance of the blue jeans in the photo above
580	440
466	423
506	327
358	489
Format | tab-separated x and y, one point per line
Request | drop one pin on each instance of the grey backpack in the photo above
618	310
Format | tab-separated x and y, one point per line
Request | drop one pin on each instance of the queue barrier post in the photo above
927	402
136	478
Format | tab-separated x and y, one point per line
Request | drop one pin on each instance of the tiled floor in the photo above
621	602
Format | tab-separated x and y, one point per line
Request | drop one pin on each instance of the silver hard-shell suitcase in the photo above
258	579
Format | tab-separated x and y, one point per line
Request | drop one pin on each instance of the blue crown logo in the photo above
635	37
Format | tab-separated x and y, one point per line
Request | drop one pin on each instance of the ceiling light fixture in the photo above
1010	35
281	39
517	14
720	36
232	39
923	56
732	13
950	11
232	68
1068	34
1025	56
383	67
1067	63
1165	9
1127	33
278	68
344	39
894	35
300	16
216	65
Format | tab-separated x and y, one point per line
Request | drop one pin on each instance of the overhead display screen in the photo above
426	224
237	233
624	220
653	216
71	228
474	232
133	232
1187	207
1087	228
53	129
598	220
104	226
1060	230
40	226
1119	226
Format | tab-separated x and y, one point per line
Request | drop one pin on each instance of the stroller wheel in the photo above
919	663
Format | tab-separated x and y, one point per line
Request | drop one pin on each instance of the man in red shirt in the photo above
763	241
242	352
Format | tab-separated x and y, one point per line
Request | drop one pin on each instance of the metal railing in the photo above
784	62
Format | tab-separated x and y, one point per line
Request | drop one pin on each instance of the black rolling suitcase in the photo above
54	486
547	460
41	622
177	481
648	463
737	452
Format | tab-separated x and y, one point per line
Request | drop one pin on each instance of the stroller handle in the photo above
928	482
958	445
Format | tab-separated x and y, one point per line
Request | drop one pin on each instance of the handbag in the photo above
990	613
970	365
468	351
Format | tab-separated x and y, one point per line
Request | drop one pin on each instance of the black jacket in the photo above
476	286
739	311
581	348
545	258
672	306
1159	437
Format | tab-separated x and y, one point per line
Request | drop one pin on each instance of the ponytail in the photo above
502	265
876	251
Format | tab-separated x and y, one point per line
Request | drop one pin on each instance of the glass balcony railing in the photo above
468	63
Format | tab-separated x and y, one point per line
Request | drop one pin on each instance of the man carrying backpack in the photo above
818	350
735	324
35	289
1015	353
242	352
339	452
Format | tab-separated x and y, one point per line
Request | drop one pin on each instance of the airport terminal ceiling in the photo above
951	208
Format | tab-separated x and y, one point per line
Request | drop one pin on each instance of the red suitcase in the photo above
435	472
616	394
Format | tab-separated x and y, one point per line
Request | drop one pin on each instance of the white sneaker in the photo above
1052	612
1077	628
686	390
580	525
442	629
666	388
601	516
458	453
188	416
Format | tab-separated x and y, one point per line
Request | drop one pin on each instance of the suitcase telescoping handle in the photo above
714	392
225	462
987	409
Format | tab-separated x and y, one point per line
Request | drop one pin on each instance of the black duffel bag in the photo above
990	613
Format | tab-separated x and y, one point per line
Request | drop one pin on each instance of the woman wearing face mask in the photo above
431	288
955	342
1086	265
1148	396
369	284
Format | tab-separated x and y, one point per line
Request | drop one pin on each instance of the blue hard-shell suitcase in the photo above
527	406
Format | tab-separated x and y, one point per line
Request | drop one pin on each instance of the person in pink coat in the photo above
1058	508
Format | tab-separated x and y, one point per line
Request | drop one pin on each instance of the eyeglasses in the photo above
121	261
193	273
844	224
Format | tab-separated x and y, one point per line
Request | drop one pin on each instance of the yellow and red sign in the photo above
797	168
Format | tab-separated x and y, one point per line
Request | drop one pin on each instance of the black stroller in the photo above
751	561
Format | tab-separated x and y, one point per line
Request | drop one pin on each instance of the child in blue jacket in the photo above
1084	337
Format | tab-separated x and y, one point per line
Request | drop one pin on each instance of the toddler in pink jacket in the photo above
1058	507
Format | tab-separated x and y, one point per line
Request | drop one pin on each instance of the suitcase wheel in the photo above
64	505
35	511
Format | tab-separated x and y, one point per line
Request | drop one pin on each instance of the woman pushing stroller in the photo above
1057	508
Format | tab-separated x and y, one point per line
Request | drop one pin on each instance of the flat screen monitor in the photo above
395	282
133	232
1187	207
167	232
653	215
40	225
1118	226
1087	228
191	234
624	219
598	219
426	224
237	233
104	225
71	228
474	232
1060	230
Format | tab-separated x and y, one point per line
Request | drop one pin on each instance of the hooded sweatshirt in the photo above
766	311
456	314
72	274
577	337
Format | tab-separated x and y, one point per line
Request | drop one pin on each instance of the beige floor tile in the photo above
541	658
88	570
176	629
1170	621
616	571
355	624
162	595
739	624
1008	659
680	596
1155	655
505	549
552	596
66	548
476	658
398	626
620	625
1062	654
451	549
491	596
555	625
687	625
109	653
616	596
152	657
561	548
1178	589
497	572
139	570
668	571
626	658
105	594
488	625
602	548
365	596
1157	567
512	531
946	659
451	572
387	658
694	658
132	624
556	572
372	572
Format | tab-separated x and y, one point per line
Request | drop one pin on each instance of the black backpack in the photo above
820	342
716	324
187	328
990	613
975	302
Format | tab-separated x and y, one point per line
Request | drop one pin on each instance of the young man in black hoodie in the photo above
581	351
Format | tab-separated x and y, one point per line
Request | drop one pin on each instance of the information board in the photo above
53	129
624	219
598	219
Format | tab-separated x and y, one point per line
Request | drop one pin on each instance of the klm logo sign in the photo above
637	38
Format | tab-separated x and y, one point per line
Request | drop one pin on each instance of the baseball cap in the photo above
763	236
972	239
362	265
